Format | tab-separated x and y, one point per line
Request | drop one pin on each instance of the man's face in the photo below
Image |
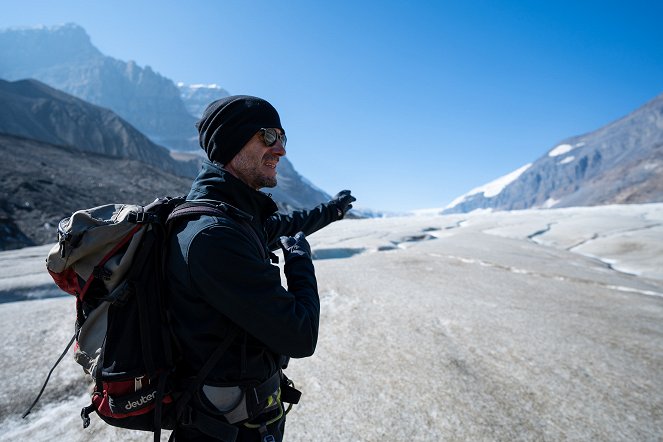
256	163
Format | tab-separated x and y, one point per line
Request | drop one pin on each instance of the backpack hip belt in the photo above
242	404
248	405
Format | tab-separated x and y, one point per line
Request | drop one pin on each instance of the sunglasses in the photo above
270	136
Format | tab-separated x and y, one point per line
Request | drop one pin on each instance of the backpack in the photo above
111	258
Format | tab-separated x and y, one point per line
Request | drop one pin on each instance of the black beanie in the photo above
229	123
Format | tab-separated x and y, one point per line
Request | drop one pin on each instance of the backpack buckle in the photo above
102	273
141	217
186	419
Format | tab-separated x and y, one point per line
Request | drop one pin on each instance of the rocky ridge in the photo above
619	163
34	110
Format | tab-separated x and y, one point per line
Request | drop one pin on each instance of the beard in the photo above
249	172
266	181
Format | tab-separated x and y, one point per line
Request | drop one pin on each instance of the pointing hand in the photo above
343	202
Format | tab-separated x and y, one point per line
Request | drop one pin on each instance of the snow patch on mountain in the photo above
564	148
560	150
196	97
494	187
200	85
550	203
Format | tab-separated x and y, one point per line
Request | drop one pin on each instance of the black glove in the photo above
343	202
294	246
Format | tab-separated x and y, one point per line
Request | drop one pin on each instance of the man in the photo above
225	290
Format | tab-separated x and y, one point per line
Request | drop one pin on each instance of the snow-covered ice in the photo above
525	325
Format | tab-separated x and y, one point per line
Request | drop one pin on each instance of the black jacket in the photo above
218	276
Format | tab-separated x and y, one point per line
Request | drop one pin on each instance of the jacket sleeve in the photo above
228	272
307	221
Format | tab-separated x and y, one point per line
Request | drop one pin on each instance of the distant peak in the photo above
64	42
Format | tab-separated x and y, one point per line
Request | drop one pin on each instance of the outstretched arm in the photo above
308	221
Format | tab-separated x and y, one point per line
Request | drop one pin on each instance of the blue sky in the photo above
409	104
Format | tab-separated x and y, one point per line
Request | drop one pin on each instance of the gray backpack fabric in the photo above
92	238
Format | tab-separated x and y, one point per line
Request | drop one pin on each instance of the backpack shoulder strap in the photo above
213	208
191	208
217	208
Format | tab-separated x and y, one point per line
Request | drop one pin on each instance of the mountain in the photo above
42	183
621	163
64	58
31	109
196	97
